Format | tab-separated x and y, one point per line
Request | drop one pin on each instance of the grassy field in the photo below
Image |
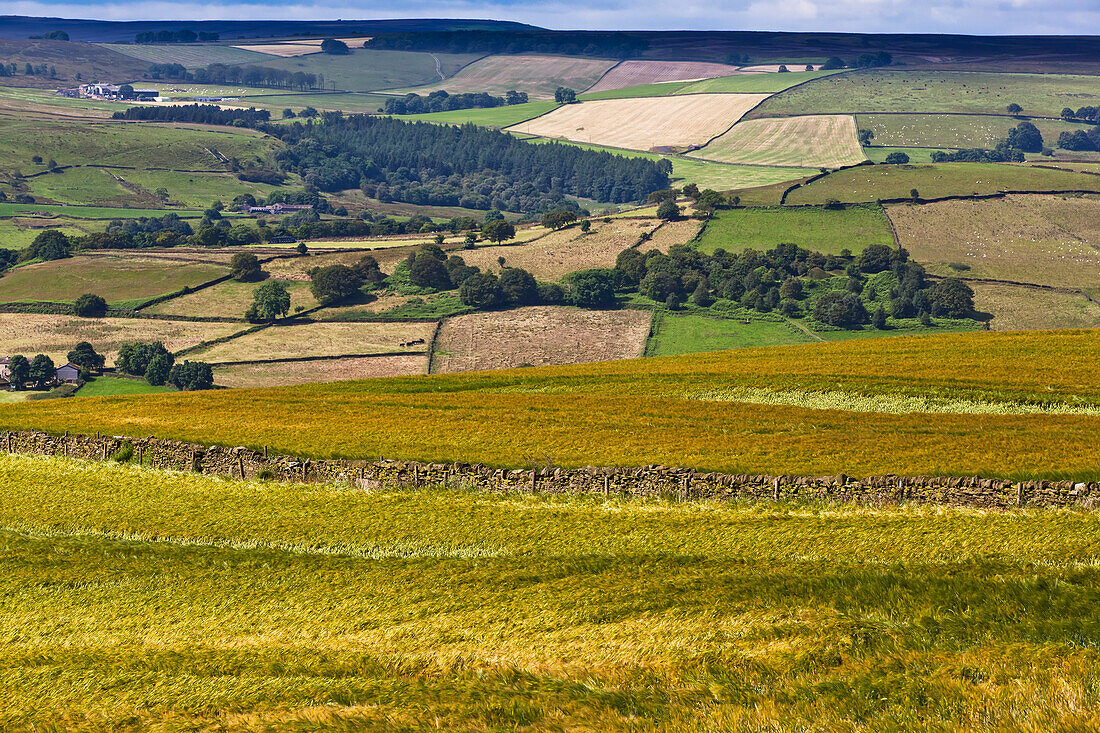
55	336
105	386
645	122
660	89
943	179
490	117
1048	240
20	103
317	339
18	233
191	55
808	141
537	336
122	280
1005	404
1015	308
689	333
196	189
316	607
351	102
366	70
641	73
538	76
954	131
934	91
765	83
311	372
819	229
916	155
229	299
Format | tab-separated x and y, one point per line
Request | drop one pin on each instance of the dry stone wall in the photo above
646	481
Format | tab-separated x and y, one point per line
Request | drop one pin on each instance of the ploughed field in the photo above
315	606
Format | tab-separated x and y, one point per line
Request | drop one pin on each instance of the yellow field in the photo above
644	123
994	404
55	336
538	336
808	141
318	339
312	372
539	76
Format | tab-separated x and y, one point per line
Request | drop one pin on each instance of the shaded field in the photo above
868	183
190	55
538	76
319	607
55	336
105	386
121	280
229	299
688	333
490	117
757	83
638	73
645	122
1009	404
317	339
955	131
1047	240
809	141
329	370
1016	308
821	229
368	70
537	336
935	91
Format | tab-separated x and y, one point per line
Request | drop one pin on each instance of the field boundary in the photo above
640	482
431	344
330	357
817	177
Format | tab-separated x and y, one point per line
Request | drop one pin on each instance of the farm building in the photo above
277	208
111	91
68	374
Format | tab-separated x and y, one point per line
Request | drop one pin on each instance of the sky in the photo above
981	17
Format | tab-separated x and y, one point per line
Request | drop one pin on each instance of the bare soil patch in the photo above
538	336
637	73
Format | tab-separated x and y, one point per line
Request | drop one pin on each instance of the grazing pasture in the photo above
955	131
869	183
1016	308
1019	404
809	141
191	55
55	336
538	76
488	117
111	386
753	83
22	103
1034	239
817	228
229	299
124	279
690	333
195	190
644	123
350	102
530	612
934	91
317	339
538	336
369	70
324	370
637	73
660	89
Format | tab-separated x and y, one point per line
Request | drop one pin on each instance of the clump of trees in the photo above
207	114
335	47
84	356
441	101
146	359
565	95
872	60
270	301
90	305
191	375
338	283
1023	138
249	76
48	245
245	267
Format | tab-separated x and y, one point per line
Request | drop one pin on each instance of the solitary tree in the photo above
19	371
897	158
564	95
84	356
270	300
334	283
498	230
90	305
952	298
865	136
244	267
333	46
668	210
427	271
1014	109
878	319
42	371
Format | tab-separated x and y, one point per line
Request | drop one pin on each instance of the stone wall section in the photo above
646	481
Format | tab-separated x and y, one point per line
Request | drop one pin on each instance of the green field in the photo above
816	228
229	299
1019	404
346	102
191	55
490	117
120	280
366	70
8	210
868	183
916	155
954	131
690	333
319	608
104	386
196	190
657	89
753	83
22	102
15	235
934	91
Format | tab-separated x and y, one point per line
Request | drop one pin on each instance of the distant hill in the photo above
102	31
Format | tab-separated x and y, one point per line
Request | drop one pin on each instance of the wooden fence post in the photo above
775	490
534	480
1019	494
606	481
240	464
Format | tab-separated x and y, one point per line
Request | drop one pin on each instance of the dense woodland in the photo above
592	43
467	166
207	114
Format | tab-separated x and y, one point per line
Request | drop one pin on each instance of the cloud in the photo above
993	17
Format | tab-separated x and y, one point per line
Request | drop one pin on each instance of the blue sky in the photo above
992	17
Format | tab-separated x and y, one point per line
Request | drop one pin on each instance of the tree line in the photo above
181	36
207	114
249	76
441	101
590	43
466	165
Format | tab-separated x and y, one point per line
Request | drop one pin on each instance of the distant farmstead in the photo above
277	208
111	91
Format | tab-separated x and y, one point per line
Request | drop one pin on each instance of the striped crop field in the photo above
138	599
808	141
637	73
1001	405
539	76
644	123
